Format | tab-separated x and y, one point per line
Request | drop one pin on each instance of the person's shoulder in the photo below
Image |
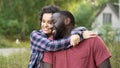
80	28
97	42
97	37
94	40
36	32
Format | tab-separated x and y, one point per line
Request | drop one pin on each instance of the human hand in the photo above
88	34
74	39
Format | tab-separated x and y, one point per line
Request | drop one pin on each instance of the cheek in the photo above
50	26
60	25
42	25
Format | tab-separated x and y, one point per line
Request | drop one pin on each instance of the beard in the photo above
59	30
59	33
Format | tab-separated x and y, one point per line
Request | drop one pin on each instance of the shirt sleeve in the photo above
39	41
101	52
79	31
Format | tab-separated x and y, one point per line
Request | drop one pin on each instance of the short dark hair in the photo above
48	9
69	15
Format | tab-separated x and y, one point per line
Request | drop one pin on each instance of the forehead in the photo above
47	16
56	15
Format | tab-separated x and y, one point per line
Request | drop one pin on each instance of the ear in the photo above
67	21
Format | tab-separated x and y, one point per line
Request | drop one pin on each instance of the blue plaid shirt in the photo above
39	44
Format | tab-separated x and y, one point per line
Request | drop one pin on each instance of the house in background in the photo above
108	14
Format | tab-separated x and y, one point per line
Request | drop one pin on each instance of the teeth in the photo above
53	31
46	29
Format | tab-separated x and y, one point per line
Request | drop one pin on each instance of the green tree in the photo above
26	12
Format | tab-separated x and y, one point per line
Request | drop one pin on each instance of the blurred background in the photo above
18	18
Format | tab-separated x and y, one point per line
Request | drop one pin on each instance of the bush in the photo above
10	27
115	59
109	36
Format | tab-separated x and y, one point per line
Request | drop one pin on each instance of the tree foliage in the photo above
23	12
19	17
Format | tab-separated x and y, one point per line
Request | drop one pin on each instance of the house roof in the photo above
114	7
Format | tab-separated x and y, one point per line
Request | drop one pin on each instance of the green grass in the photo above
16	60
20	60
6	43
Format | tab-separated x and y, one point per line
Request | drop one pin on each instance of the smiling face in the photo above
58	24
46	23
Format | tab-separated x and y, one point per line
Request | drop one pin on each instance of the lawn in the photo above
16	60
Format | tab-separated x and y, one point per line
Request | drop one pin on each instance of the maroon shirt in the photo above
88	54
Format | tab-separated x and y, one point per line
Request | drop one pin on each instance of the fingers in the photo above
89	34
74	43
75	39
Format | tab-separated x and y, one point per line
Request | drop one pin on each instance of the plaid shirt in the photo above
39	44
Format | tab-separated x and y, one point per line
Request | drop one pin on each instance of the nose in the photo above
45	24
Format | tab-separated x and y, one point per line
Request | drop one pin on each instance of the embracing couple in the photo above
59	45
